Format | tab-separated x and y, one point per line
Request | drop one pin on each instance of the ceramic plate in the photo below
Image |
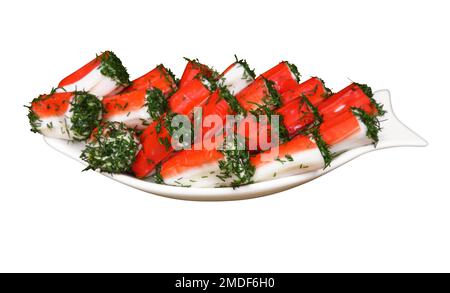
394	134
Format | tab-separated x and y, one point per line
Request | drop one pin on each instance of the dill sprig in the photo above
236	164
112	67
204	69
112	149
328	92
317	117
273	98
33	118
157	175
208	81
250	72
371	121
323	147
168	75
156	103
86	114
282	132
367	90
225	94
293	68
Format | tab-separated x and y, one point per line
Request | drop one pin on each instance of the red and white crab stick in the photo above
194	168
160	77
68	115
142	102
199	168
194	68
342	132
156	138
269	87
104	75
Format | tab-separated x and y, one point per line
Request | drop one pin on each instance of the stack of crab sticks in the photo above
345	120
178	131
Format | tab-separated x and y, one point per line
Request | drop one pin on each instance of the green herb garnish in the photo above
293	68
328	92
273	98
323	147
86	112
112	67
33	118
112	149
225	94
249	73
157	175
156	103
371	121
367	90
236	164
165	142
169	76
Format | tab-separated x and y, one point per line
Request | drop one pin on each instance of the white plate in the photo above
394	134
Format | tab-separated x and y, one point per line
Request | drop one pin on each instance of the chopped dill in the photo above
112	67
293	68
367	90
156	103
372	124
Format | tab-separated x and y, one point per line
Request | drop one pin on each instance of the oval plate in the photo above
394	134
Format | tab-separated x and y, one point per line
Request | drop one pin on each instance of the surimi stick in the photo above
144	101
195	68
67	115
267	89
104	75
354	95
156	138
136	109
314	89
160	77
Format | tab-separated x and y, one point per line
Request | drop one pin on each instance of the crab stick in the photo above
104	75
156	138
137	109
267	89
314	89
198	169
303	154
354	95
67	115
195	68
229	166
142	102
160	77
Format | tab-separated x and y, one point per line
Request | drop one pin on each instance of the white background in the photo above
388	211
